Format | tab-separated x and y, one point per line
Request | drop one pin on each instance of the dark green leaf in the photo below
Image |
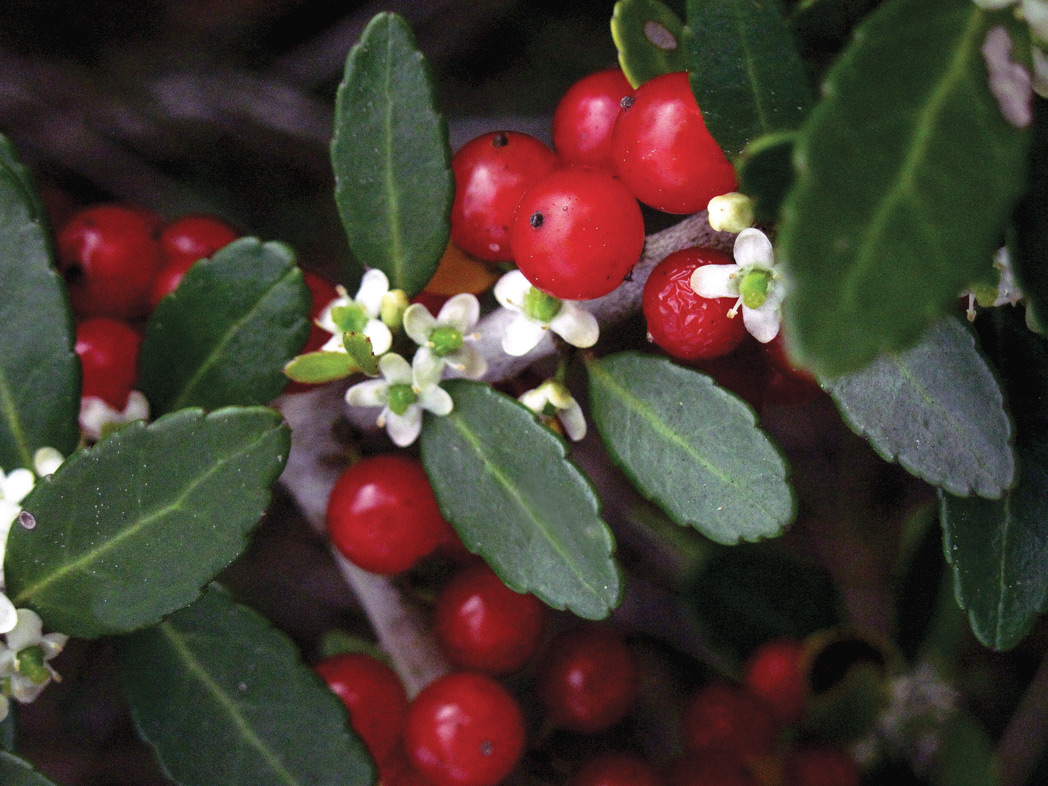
316	367
392	160
224	335
16	772
766	173
650	39
936	409
358	346
690	446
966	757
907	172
39	371
504	482
9	158
745	71
235	705
131	529
828	21
1031	220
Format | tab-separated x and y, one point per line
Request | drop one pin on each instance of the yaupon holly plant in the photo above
557	375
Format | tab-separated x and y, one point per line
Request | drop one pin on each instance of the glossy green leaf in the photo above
358	347
936	409
391	157
1030	247
223	337
39	371
505	484
907	172
9	158
317	367
131	529
17	772
690	446
649	37
766	173
745	70
236	706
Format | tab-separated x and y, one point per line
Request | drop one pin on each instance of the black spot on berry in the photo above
626	102
486	748
73	274
499	140
536	219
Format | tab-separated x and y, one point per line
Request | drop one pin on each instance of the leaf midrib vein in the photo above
7	404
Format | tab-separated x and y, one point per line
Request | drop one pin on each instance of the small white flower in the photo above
403	392
1035	12
96	415
446	340
537	313
359	314
24	660
553	399
752	279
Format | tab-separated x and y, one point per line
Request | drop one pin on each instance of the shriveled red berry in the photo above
616	768
588	679
775	672
382	515
464	729
683	323
708	770
482	624
577	233
585	117
194	237
109	258
373	695
663	152
722	718
492	172
821	766
108	351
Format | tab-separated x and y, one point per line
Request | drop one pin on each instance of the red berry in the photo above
663	152
373	695
822	766
588	679
194	237
616	768
786	383
492	172
382	514
775	672
464	729
168	279
577	233
482	624
108	351
109	258
724	719
585	116
686	325
708	770
397	770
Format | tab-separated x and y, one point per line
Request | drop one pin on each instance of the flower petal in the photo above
8	614
713	281
535	399
370	393
436	400
27	631
324	320
522	335
511	289
460	312
467	361
752	247
380	336
573	420
373	285
418	323
394	369
16	485
576	325
46	461
762	323
427	367
404	429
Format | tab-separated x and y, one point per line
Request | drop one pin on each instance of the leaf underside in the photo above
649	38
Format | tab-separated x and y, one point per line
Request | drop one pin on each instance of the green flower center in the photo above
31	665
350	318
445	340
753	287
540	306
401	396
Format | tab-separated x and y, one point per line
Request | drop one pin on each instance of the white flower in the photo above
359	314
402	392
96	416
732	212
538	312
553	399
24	659
445	340
752	279
1006	292
1035	12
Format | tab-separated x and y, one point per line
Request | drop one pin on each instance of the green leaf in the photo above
358	346
906	174
505	484
745	70
649	37
224	335
1030	247
39	370
236	706
316	367
17	772
936	409
966	757
690	446
9	158
391	156
131	529
766	174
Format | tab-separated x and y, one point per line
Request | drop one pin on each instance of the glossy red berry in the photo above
373	695
482	624
684	324
775	672
616	768
397	770
724	719
108	351
194	237
492	172
709	770
663	152
109	258
786	383
464	729
821	766
382	514
585	117
588	679
577	233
